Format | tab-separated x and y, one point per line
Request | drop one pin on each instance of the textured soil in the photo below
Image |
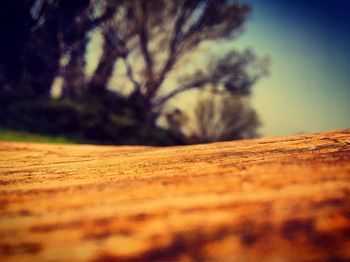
271	199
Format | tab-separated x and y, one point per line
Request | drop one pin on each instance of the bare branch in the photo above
184	14
109	12
143	38
130	75
196	84
231	72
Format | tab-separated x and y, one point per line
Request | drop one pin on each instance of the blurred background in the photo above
163	72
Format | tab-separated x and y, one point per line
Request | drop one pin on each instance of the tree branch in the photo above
130	74
200	21
143	38
184	14
191	85
109	12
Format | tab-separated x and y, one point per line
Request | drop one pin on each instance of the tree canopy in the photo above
146	43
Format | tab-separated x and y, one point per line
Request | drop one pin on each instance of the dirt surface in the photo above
271	199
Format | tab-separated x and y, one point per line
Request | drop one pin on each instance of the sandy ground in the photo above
271	199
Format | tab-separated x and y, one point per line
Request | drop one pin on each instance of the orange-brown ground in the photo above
271	199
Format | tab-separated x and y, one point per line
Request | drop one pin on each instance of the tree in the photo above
216	117
42	33
151	44
154	38
15	20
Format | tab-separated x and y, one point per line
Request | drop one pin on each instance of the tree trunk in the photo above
271	199
74	71
104	70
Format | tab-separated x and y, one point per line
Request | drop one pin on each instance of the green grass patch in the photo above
21	136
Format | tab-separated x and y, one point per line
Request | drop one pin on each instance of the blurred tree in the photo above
150	37
152	41
216	117
44	39
15	21
148	43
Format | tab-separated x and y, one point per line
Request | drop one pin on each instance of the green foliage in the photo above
21	136
86	120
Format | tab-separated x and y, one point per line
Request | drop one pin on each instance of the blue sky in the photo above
308	89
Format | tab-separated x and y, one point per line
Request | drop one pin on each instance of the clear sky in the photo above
308	41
